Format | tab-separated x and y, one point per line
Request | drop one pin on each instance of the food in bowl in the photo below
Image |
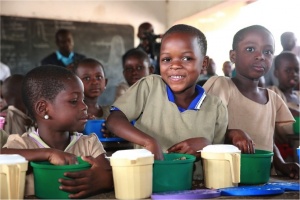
174	173
46	175
255	168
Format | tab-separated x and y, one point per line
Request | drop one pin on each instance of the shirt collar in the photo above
195	104
66	60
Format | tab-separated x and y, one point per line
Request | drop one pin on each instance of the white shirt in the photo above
4	71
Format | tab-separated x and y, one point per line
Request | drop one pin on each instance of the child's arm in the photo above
287	168
190	146
240	139
89	182
54	156
118	123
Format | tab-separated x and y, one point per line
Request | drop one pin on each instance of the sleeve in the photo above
218	86
15	141
96	147
221	124
132	103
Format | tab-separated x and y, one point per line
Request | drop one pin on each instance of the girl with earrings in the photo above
54	97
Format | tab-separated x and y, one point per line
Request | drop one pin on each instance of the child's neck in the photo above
58	140
93	107
183	100
249	88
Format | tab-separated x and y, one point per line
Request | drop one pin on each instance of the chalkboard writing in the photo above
26	41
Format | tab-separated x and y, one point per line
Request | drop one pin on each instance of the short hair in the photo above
88	61
60	32
137	52
43	82
286	36
286	55
183	28
239	36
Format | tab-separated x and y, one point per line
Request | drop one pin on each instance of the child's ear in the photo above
232	55
151	69
205	62
40	108
106	81
276	73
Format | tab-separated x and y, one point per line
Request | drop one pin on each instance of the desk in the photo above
199	185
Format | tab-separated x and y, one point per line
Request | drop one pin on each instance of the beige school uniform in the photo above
258	120
80	145
147	101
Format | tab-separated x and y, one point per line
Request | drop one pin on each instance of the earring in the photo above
46	117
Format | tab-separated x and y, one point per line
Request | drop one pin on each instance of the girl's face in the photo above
288	73
181	61
254	54
93	79
68	112
135	68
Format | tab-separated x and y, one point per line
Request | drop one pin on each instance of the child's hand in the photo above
106	132
155	148
190	146
290	169
57	157
241	140
89	182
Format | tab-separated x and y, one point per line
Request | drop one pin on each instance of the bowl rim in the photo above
43	165
190	158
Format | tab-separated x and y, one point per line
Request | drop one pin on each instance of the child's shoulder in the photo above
218	82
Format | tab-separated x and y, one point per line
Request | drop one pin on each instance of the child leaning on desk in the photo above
253	112
54	97
172	112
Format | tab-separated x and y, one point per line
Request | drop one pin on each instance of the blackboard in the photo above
26	41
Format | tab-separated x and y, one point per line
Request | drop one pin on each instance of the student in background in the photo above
287	72
173	113
227	68
54	97
210	71
64	56
91	73
16	120
136	65
289	43
253	112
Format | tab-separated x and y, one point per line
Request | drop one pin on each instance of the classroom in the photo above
104	32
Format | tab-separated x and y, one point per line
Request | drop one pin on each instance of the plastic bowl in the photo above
255	168
46	175
173	174
298	153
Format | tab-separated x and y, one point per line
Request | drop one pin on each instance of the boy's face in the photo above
254	54
181	61
65	43
288	73
92	76
136	68
68	110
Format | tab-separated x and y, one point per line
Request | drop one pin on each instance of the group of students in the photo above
172	112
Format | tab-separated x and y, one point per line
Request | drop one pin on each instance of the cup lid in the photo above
132	154
221	148
11	159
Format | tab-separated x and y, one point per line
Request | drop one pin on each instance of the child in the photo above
287	73
17	121
91	73
227	68
136	65
253	112
173	113
54	96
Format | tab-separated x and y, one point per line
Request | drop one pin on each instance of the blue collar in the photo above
63	59
195	104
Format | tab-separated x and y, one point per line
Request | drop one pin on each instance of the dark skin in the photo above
55	132
288	77
181	63
252	59
65	43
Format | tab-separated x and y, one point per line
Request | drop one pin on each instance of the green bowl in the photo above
173	174
46	175
255	168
